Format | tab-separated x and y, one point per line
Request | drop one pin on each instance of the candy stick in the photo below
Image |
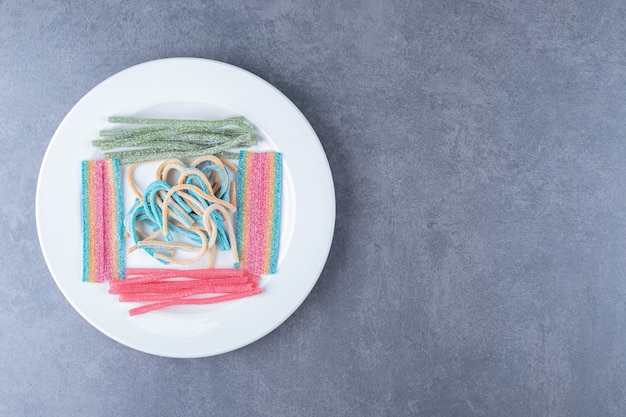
145	285
167	296
161	140
164	131
164	287
195	301
171	136
125	133
155	151
187	273
237	121
146	275
227	155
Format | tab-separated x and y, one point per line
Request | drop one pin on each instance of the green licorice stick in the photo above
245	138
178	134
146	155
128	132
237	121
190	141
208	140
164	145
151	140
164	131
149	154
228	155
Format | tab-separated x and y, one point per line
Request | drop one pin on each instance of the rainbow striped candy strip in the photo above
258	210
102	221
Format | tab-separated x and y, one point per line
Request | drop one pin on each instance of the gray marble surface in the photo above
479	260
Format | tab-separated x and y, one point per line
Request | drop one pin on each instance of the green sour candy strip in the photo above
127	133
150	154
228	155
152	140
171	131
236	121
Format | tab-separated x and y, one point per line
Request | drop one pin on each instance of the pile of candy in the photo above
185	214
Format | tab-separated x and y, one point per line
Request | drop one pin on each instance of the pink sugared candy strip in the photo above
258	210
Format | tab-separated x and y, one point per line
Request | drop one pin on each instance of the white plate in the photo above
193	88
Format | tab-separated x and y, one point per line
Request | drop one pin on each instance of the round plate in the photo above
189	88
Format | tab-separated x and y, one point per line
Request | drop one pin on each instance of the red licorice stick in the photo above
207	288
182	301
134	279
150	297
160	273
129	286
